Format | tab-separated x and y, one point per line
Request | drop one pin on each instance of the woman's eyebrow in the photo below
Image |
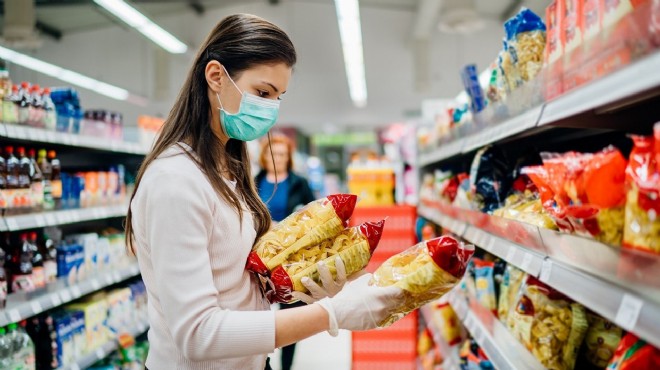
273	86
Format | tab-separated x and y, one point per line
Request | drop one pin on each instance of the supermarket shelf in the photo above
449	353
510	127
104	351
21	306
51	137
54	218
503	350
636	78
443	152
586	270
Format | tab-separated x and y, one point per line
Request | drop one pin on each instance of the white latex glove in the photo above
330	286
360	306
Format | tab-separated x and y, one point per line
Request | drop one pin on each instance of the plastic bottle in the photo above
36	182
14	345
3	280
13	167
50	115
36	107
5	88
56	179
3	174
38	270
6	350
49	252
46	171
24	179
10	106
24	104
25	357
22	263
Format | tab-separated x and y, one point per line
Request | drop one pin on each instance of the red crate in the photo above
393	346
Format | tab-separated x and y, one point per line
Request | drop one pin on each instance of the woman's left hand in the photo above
330	286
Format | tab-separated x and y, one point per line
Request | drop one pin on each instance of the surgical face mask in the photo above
254	118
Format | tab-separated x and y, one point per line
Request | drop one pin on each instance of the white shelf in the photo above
502	349
21	306
51	137
62	217
631	80
104	351
589	272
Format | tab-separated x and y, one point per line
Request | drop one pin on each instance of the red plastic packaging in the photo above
634	354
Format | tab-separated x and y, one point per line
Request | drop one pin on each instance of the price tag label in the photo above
100	354
50	219
14	316
11	130
75	216
51	137
511	254
75	367
628	313
12	224
491	244
116	277
36	307
40	220
95	284
40	135
55	300
66	296
527	262
546	271
108	279
75	291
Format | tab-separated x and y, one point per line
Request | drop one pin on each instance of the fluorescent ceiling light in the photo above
63	74
348	17
144	25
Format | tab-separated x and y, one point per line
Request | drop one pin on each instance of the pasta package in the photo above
550	325
525	47
601	341
425	272
485	284
319	220
642	224
354	246
511	282
449	324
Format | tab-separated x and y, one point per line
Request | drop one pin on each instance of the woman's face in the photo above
281	156
268	81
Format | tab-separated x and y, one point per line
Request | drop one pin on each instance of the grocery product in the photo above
22	280
354	246
550	325
56	179
485	284
511	282
424	272
525	46
490	179
319	220
634	353
3	279
642	226
601	341
528	208
448	322
470	78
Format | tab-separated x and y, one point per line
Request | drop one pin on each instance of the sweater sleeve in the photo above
178	226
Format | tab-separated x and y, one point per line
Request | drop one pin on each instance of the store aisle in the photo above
320	352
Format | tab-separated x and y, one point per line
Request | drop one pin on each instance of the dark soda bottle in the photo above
13	169
24	104
3	279
46	171
22	264
36	182
38	269
55	179
24	179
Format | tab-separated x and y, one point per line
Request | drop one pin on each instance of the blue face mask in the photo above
254	118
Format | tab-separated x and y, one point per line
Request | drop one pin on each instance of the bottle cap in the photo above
9	150
20	150
51	154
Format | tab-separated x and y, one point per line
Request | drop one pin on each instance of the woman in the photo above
195	215
283	192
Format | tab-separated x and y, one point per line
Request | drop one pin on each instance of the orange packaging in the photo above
91	188
592	18
103	185
554	49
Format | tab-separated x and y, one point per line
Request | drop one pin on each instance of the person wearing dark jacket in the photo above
292	193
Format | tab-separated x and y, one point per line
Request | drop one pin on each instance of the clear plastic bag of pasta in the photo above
354	246
525	46
425	272
317	221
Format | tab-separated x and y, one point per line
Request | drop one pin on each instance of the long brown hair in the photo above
238	42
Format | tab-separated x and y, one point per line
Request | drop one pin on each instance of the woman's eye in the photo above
262	93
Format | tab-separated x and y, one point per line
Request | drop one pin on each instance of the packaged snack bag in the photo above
642	224
319	220
448	322
633	354
354	246
601	341
490	179
485	283
525	44
549	325
424	272
511	282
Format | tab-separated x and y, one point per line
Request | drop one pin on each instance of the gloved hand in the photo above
330	286
360	306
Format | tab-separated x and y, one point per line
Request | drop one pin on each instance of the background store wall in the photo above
318	98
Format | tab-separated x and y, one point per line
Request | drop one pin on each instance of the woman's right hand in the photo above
360	306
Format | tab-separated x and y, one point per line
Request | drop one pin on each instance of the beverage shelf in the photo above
62	217
620	284
21	306
51	137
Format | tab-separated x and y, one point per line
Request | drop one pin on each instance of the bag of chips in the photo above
634	354
319	220
550	325
354	246
424	272
601	341
642	223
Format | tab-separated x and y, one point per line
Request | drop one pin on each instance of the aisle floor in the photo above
320	352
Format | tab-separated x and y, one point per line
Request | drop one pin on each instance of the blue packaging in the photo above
470	79
78	334
70	259
65	347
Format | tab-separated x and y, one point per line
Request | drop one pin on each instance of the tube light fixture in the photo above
144	25
350	32
63	74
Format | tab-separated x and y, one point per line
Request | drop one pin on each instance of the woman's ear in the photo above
214	74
